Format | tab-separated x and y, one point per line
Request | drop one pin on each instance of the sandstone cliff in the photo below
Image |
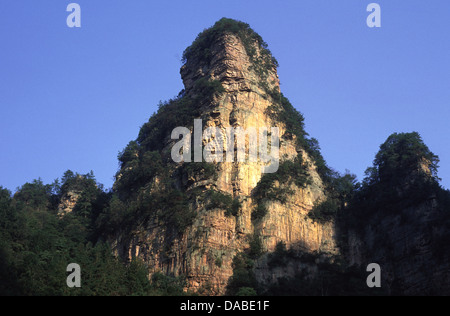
204	250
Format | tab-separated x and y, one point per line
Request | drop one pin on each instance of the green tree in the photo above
243	278
34	195
403	155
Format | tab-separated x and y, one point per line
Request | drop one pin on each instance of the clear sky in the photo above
72	98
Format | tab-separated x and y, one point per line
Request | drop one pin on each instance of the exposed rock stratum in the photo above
204	251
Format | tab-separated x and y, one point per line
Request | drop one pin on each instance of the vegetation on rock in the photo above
201	48
220	200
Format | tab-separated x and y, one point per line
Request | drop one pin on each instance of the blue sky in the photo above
73	98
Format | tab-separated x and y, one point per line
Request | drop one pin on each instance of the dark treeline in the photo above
37	244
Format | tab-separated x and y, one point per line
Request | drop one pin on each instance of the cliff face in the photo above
204	250
245	104
407	246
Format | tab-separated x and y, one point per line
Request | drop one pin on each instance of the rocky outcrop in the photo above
204	251
68	202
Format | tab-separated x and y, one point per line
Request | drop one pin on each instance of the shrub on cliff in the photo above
223	201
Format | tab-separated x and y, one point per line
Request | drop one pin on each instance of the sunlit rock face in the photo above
204	251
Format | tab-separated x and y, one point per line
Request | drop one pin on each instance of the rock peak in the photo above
232	53
202	215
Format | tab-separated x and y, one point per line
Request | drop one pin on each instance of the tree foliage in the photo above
201	47
402	155
36	245
404	173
